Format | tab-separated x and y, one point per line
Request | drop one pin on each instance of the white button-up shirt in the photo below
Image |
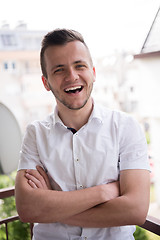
109	142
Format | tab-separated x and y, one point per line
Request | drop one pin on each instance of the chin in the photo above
76	106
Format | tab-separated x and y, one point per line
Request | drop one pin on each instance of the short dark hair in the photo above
58	37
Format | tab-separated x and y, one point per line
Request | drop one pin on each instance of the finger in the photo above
44	175
37	176
34	173
36	181
32	184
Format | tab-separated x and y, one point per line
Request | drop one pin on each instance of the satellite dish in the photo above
10	141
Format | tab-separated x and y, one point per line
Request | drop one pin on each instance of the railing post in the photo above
31	227
6	231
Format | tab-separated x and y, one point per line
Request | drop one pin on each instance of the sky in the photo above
107	25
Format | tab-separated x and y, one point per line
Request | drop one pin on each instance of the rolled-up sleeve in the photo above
133	146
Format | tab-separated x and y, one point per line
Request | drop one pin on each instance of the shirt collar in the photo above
57	119
96	114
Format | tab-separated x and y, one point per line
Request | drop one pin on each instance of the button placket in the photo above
76	161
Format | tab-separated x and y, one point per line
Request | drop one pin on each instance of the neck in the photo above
75	118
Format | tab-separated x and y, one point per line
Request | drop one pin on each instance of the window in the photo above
8	40
13	65
5	65
9	66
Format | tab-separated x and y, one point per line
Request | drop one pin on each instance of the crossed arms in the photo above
115	204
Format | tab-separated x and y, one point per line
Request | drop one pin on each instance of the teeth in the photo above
72	88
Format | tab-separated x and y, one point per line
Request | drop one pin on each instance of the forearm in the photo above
116	212
53	206
128	209
39	205
99	206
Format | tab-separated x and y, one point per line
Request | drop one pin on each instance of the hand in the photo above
113	190
38	178
110	190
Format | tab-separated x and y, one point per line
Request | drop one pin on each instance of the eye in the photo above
80	66
59	70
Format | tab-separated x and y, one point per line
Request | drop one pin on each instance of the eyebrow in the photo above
80	61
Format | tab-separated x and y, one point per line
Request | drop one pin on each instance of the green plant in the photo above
140	234
16	230
148	137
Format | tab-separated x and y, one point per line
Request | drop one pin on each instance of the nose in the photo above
71	75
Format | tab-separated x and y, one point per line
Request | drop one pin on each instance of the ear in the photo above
45	83
94	74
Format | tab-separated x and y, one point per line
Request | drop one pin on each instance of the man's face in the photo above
70	74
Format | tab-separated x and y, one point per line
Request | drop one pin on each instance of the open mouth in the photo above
74	89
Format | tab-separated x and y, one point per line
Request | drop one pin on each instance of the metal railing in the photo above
5	193
152	224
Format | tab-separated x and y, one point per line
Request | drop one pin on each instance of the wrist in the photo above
109	191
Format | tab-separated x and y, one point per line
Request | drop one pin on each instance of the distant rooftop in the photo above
19	38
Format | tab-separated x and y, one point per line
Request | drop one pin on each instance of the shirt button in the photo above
81	186
85	238
77	159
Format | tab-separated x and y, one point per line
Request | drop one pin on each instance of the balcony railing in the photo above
152	224
5	193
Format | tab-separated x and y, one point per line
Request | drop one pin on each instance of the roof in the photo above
20	39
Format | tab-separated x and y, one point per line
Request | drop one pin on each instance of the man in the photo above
93	182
